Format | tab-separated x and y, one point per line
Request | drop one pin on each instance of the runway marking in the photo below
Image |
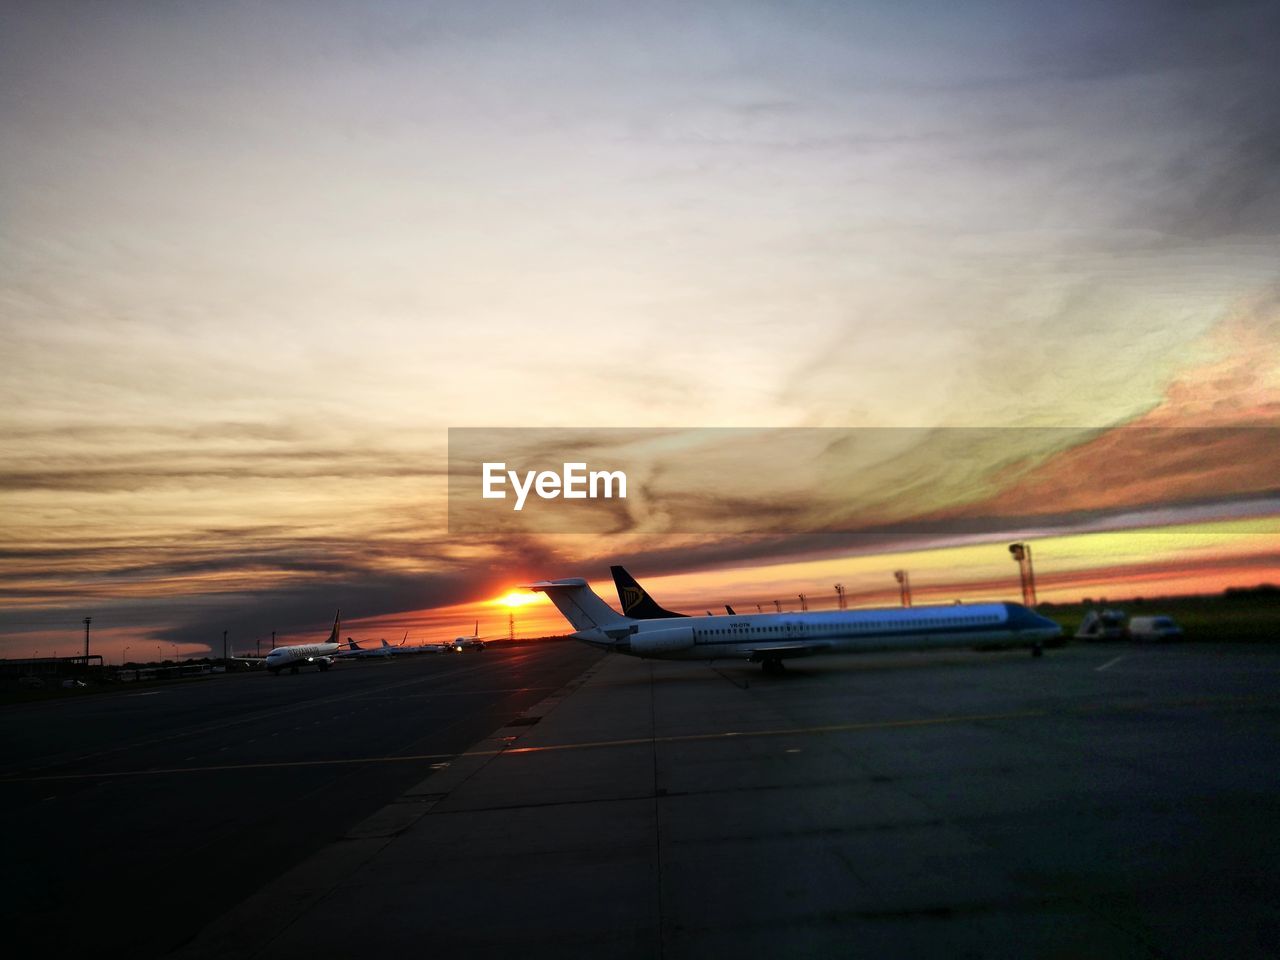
268	713
223	767
1110	663
1084	710
783	732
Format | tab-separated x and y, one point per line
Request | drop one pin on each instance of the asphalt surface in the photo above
136	817
1101	801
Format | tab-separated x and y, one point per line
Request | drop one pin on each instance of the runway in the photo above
135	817
1110	800
1115	801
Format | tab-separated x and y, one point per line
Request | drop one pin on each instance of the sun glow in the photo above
518	599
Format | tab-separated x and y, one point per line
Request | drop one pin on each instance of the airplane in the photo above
771	638
365	653
298	655
473	642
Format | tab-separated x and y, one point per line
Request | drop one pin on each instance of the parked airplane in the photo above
303	654
770	638
365	653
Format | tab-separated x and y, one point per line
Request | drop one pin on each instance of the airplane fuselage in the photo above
316	654
779	635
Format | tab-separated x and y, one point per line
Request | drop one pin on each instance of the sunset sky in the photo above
257	258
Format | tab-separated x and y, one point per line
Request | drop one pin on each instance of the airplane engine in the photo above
654	643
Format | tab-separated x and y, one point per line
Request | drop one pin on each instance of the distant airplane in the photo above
304	654
366	653
406	648
473	642
771	638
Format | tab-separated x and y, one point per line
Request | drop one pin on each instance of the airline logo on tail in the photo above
630	597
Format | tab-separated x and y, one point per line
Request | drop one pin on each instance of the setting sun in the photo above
518	598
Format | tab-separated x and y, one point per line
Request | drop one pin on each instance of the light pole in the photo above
904	586
778	605
87	621
804	602
124	655
841	602
1022	554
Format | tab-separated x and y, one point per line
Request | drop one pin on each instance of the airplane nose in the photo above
1026	622
1050	628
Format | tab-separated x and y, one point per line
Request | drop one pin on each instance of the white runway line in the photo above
1110	663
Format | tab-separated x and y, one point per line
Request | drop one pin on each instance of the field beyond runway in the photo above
1116	801
133	819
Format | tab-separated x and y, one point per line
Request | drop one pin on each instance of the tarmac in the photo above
140	811
1102	801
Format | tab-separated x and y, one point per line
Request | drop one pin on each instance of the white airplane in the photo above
473	642
770	638
386	650
299	655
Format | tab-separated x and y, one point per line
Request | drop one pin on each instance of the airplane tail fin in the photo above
581	607
337	627
635	601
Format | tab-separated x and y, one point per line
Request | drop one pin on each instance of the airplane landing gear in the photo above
773	667
293	669
1037	649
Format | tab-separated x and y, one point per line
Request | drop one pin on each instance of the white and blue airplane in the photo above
771	638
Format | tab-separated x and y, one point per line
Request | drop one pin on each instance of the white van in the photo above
1154	628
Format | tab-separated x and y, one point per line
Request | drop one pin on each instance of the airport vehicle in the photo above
1154	628
295	656
1101	625
771	638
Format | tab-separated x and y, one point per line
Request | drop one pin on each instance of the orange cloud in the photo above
1214	436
